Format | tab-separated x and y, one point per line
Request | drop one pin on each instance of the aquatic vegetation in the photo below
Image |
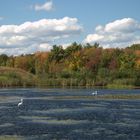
34	117
108	96
9	137
9	98
62	122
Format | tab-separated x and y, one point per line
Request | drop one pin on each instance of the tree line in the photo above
81	65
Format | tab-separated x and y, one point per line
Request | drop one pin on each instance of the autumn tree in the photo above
41	63
26	63
93	58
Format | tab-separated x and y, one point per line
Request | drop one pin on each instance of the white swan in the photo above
94	93
19	104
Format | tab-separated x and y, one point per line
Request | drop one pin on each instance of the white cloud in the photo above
127	25
99	28
119	33
45	47
65	45
94	38
48	6
36	36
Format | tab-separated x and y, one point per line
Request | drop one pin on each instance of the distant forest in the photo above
79	65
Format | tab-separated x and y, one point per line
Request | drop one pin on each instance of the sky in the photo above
27	26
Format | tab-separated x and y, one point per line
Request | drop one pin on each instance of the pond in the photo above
47	114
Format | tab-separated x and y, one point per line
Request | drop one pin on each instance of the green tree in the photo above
3	59
10	62
57	53
127	60
74	47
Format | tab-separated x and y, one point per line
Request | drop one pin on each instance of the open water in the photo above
46	115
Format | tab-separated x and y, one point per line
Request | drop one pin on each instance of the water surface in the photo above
42	116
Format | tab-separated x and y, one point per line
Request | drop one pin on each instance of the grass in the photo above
11	77
119	86
15	77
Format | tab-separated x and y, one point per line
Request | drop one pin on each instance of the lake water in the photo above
46	115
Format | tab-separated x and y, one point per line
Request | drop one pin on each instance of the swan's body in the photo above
19	104
94	93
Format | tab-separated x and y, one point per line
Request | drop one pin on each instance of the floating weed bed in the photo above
120	96
66	110
34	117
11	137
5	107
127	125
6	125
9	99
92	105
61	122
109	96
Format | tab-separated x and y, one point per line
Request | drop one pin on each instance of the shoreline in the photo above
70	87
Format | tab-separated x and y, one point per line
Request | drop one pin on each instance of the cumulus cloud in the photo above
35	36
119	33
48	6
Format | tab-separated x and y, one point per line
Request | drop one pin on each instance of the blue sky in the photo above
112	23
